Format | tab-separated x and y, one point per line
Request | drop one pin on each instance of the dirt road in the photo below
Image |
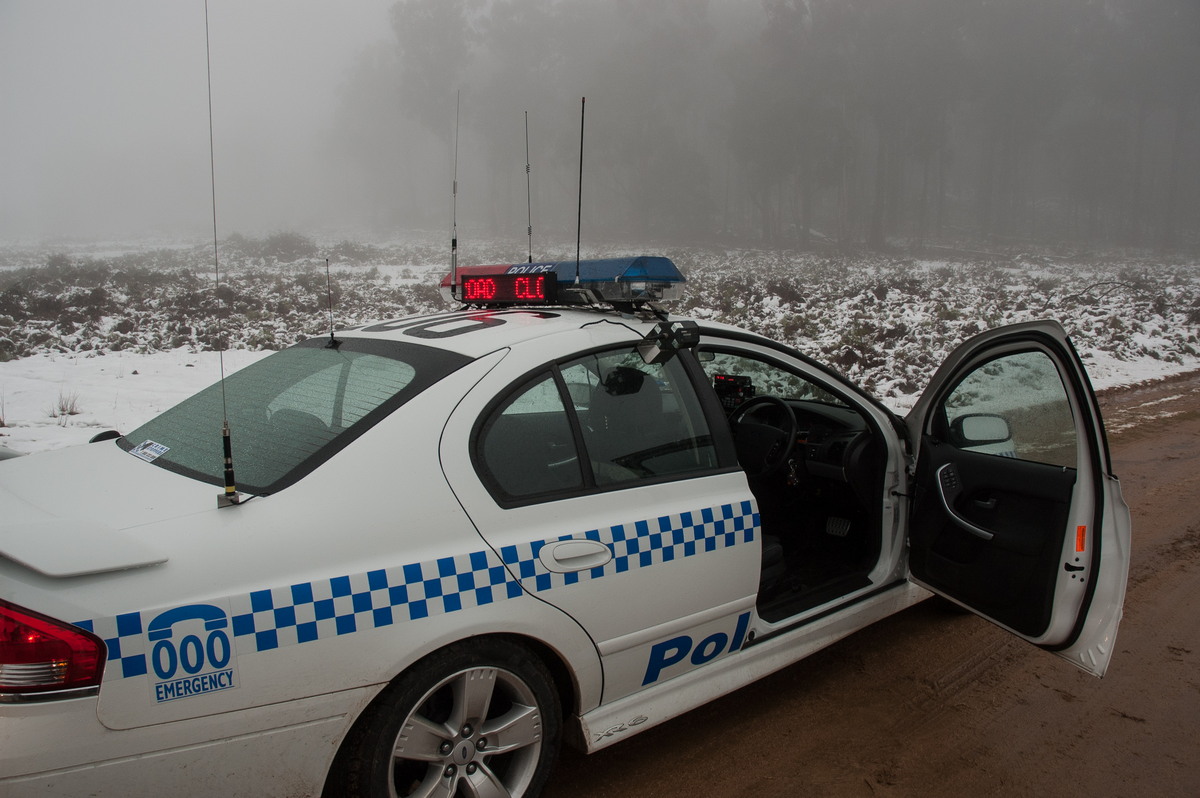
930	703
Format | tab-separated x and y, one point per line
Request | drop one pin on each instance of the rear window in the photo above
289	412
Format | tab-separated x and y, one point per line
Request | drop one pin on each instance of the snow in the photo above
116	391
886	323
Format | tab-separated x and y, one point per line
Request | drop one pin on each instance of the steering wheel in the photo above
762	448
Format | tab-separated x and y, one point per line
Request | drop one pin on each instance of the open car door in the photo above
1017	515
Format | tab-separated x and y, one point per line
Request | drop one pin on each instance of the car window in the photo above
1012	406
635	422
290	411
638	420
342	393
527	446
738	377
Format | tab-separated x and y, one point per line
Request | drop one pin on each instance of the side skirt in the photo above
611	723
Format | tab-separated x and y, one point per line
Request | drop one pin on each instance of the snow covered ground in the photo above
885	322
117	391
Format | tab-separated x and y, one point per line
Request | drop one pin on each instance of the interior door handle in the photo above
950	488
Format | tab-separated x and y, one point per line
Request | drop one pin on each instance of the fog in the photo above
817	124
105	106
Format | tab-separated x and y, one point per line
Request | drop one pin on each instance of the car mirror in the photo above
623	381
979	429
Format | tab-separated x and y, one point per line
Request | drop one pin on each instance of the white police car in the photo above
460	539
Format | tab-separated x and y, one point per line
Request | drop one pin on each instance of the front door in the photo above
1017	515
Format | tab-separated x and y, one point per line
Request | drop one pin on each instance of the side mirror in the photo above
979	429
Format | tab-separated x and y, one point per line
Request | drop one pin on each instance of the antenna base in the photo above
228	499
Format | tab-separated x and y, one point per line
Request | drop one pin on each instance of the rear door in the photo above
596	479
1017	515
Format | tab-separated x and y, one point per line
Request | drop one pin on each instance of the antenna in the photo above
579	214
528	191
454	207
231	496
333	342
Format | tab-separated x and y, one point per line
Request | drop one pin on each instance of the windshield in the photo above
289	412
740	376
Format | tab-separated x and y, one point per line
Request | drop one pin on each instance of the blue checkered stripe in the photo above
641	544
346	604
273	618
123	635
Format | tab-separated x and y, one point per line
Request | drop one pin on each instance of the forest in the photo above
828	125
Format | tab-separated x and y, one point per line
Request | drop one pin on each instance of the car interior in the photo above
815	467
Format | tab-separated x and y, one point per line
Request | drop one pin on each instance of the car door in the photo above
1017	515
595	478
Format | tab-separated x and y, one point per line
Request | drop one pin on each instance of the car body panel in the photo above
278	749
116	488
473	333
52	547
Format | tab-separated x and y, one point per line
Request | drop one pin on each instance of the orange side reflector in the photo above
1080	538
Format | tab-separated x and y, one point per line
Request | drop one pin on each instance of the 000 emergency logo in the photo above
191	652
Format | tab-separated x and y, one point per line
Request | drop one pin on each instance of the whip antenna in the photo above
454	207
579	214
333	342
231	496
528	191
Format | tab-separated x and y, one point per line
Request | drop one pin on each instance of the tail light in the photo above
41	655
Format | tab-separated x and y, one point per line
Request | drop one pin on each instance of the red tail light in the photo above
39	654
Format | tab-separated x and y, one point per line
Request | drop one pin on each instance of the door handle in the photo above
565	556
949	489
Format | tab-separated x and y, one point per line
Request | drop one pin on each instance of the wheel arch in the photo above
567	689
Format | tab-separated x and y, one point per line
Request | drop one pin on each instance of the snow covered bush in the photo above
885	321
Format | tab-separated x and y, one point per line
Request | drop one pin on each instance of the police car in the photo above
445	544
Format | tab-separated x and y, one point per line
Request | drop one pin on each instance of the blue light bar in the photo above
611	280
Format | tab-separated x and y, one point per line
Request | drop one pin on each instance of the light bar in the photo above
610	280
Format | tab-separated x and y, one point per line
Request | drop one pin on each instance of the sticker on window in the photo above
149	451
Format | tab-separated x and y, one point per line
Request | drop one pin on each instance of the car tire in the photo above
477	717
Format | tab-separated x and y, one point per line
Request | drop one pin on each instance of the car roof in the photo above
457	330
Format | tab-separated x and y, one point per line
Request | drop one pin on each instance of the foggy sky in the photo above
105	115
781	123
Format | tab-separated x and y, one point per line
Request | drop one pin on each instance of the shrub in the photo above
287	247
67	405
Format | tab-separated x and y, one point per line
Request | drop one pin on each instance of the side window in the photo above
638	421
1012	406
526	445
